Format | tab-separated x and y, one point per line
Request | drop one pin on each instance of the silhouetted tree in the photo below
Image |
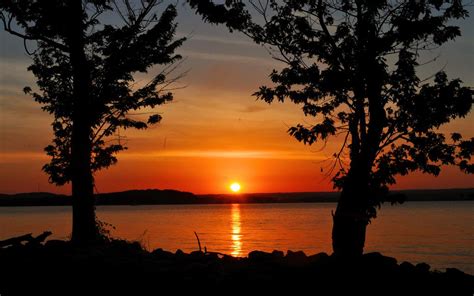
352	66
84	61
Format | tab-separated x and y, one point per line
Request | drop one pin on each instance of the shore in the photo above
120	267
168	197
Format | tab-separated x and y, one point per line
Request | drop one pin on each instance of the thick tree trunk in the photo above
349	226
350	219
84	227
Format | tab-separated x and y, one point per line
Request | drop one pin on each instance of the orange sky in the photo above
213	133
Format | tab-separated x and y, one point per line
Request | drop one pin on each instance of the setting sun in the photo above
235	187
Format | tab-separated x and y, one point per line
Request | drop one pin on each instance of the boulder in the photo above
161	254
422	267
278	254
407	267
296	258
318	258
377	260
261	256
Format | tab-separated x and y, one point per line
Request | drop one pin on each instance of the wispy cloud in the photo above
232	58
213	39
254	108
249	154
255	154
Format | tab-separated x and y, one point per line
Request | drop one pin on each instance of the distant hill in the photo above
283	197
457	194
148	196
130	197
156	197
34	199
409	195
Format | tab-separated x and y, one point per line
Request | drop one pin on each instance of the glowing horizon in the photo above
213	133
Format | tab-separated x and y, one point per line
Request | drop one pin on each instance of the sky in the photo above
214	133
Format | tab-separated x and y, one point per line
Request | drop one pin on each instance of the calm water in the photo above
439	233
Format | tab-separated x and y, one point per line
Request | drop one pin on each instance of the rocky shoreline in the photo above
120	267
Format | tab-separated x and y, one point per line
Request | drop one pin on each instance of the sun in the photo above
235	187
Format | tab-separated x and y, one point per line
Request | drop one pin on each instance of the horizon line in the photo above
241	194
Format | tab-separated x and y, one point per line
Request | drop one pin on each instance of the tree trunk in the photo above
350	219
349	227
84	227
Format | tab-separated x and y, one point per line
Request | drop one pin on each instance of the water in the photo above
439	233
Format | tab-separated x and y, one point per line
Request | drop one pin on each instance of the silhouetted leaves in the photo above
310	135
352	66
115	53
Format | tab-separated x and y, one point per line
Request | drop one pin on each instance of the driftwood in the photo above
27	238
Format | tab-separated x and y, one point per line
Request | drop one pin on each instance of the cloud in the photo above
254	108
230	58
213	39
234	154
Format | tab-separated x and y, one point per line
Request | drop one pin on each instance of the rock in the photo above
297	254
278	254
160	253
318	258
364	275
296	258
376	259
197	255
407	267
422	267
212	256
454	272
228	258
459	277
124	247
261	256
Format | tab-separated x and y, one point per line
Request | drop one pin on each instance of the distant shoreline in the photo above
170	197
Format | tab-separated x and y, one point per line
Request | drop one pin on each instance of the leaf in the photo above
155	118
27	89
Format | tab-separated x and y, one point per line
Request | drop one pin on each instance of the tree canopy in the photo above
86	63
352	65
116	48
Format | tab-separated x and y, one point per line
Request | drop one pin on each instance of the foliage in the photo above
352	65
115	53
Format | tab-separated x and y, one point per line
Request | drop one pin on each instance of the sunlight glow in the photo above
236	235
235	187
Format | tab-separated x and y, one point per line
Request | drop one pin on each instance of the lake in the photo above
438	233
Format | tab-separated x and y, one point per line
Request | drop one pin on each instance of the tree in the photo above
85	71
353	66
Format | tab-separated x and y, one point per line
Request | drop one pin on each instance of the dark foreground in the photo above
124	268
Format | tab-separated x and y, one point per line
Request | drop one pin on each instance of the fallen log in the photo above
28	238
16	240
40	238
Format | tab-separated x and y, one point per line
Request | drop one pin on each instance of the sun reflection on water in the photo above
236	230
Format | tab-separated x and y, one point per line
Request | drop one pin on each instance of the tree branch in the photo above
8	29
